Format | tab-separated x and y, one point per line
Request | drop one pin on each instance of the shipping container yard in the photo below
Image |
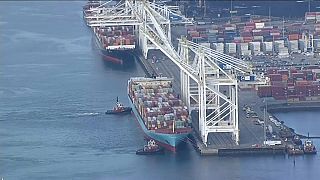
270	49
260	36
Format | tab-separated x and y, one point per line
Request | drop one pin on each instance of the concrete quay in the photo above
251	135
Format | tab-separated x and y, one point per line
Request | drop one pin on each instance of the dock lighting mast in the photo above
206	86
265	120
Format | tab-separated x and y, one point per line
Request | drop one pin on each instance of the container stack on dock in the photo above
259	30
292	84
158	106
312	17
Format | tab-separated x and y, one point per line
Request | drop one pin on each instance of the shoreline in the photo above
297	106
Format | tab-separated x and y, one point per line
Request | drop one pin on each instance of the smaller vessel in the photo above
295	151
309	147
150	148
296	140
119	109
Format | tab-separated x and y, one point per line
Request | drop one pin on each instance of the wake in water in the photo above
84	114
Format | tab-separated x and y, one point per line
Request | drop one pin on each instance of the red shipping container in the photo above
293	37
275	77
278	91
204	36
264	91
293	71
291	92
272	71
247	38
301	90
283	72
302	83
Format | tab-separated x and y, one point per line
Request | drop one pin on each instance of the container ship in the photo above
115	43
160	114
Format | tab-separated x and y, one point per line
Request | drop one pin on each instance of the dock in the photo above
251	135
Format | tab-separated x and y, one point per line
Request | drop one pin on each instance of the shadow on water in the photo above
127	66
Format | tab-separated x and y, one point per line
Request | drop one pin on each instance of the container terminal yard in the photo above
241	70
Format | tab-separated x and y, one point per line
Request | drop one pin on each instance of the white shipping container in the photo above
310	17
258	37
267	47
259	25
272	143
230	28
293	46
283	50
218	47
246	53
275	34
316	43
254	47
243	49
205	44
280	42
238	38
256	30
213	31
302	45
230	48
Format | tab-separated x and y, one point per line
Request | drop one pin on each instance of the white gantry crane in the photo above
208	78
215	94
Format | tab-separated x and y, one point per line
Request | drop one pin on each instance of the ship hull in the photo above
114	56
168	141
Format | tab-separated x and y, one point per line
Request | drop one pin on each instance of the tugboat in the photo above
293	150
309	147
150	148
296	140
119	109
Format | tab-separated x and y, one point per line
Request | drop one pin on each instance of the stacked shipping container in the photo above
158	106
293	85
115	36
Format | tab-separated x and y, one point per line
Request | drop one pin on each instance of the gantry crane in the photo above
206	87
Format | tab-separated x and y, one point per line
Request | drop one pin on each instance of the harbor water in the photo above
54	89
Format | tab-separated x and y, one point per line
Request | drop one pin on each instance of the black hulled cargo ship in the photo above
116	44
